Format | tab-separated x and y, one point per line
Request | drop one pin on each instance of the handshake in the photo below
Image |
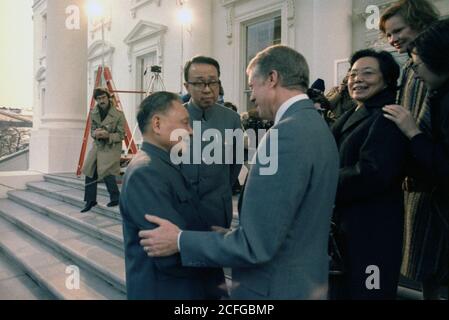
101	134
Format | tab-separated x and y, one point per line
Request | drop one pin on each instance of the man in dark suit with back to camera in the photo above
279	251
153	183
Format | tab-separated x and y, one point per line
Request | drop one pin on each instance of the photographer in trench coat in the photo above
103	160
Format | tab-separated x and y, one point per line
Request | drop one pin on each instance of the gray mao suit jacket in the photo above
153	185
213	182
279	251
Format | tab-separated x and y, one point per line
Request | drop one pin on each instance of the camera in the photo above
156	69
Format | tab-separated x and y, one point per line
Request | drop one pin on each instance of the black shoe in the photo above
89	206
112	204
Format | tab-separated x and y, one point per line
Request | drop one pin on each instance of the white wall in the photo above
15	180
319	29
15	162
323	35
332	34
122	23
229	51
225	54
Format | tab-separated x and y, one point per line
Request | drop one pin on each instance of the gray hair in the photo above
291	66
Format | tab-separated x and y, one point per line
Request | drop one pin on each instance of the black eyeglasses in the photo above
201	85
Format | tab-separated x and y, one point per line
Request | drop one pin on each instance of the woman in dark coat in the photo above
430	52
369	202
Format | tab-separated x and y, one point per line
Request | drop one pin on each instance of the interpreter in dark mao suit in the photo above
212	182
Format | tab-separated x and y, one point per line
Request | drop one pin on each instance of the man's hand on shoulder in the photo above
162	241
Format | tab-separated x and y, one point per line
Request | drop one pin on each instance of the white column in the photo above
56	142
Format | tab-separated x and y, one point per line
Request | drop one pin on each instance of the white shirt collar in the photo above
287	104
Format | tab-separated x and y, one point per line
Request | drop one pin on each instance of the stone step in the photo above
74	197
48	268
96	256
68	180
93	224
15	284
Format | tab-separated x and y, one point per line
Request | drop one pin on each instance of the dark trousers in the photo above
90	192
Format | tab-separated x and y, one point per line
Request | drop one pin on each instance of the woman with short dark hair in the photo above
369	202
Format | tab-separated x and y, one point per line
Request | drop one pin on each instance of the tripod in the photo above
156	84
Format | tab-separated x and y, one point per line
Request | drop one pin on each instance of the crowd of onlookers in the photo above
391	125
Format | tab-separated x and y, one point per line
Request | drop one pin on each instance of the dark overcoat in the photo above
153	185
369	202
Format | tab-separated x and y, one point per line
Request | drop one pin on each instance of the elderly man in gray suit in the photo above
153	183
279	251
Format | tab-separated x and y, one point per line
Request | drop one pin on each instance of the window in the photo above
260	34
